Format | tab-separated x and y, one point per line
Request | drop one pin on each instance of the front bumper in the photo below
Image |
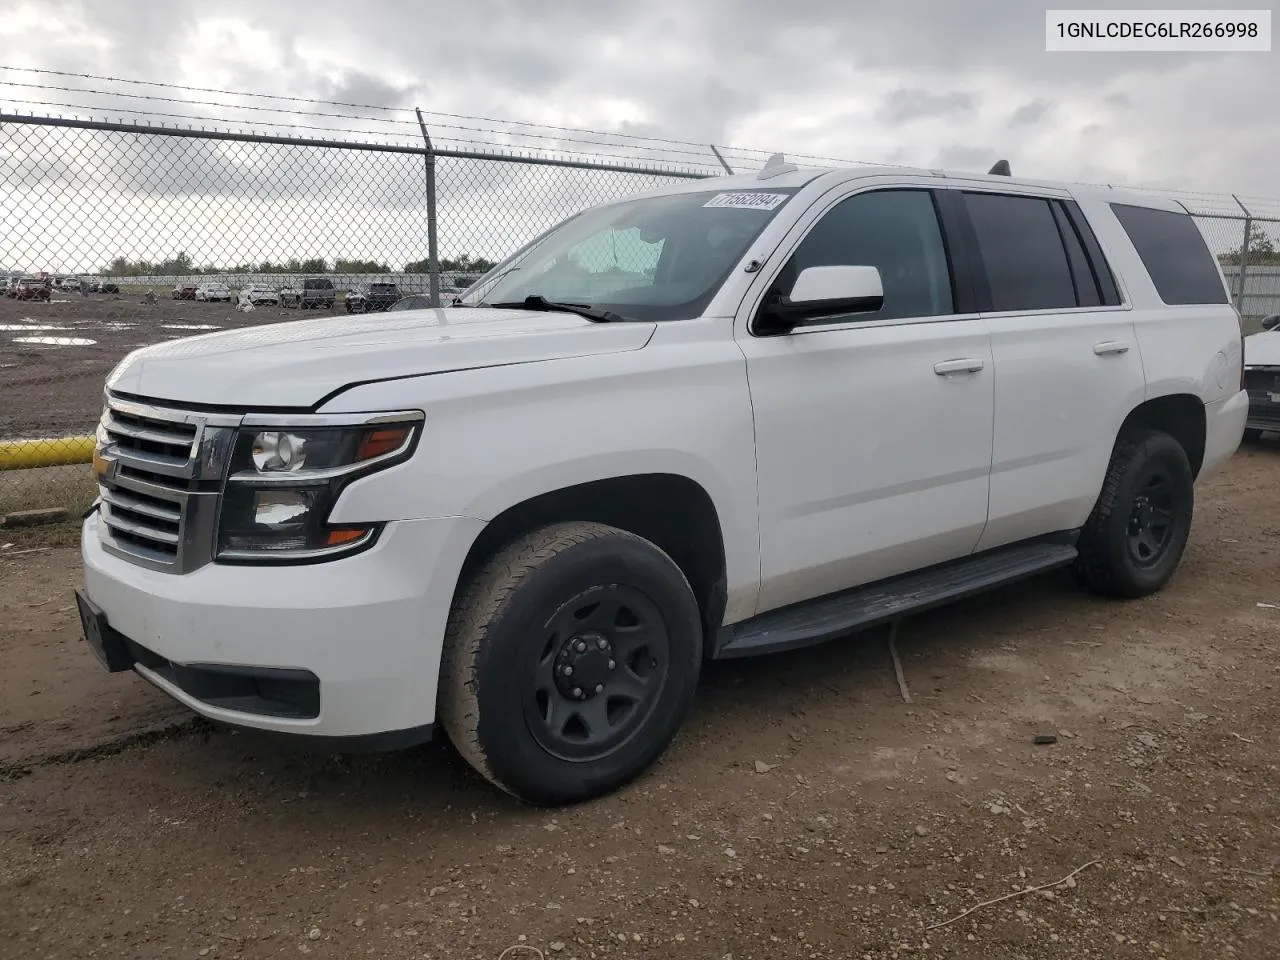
1264	398
344	652
1264	413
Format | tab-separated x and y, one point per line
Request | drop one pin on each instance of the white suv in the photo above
733	417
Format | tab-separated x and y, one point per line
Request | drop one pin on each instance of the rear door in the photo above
1067	364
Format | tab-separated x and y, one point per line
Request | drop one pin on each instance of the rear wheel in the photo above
1134	540
1252	435
570	661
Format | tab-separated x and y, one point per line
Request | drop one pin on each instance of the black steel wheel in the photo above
1152	516
571	659
1134	540
599	674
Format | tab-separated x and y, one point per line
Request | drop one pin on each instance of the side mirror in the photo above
826	292
1271	322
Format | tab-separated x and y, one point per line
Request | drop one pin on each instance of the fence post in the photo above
727	169
433	253
1244	255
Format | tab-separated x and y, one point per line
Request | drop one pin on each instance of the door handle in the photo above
945	367
1109	347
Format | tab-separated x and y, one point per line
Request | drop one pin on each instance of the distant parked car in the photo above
33	288
257	294
312	293
184	291
215	292
372	297
109	286
10	285
1262	379
290	295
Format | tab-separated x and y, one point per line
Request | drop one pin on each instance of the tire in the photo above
610	604
1134	540
1252	435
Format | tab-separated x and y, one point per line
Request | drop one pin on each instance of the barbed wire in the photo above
495	150
664	150
758	152
700	154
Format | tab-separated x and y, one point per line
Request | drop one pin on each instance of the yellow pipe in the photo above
49	452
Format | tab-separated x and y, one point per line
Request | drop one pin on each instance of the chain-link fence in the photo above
118	235
128	235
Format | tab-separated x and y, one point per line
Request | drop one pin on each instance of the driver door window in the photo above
894	230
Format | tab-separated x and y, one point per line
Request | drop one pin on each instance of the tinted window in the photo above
894	230
1108	293
1022	251
1174	253
1082	276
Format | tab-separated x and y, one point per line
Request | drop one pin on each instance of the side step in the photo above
826	618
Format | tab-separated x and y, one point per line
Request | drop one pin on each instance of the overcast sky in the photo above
940	83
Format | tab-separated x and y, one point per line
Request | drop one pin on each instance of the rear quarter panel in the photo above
1185	349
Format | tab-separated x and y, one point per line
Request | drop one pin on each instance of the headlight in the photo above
286	475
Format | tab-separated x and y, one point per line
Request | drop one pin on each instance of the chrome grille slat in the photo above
149	433
137	529
123	501
159	492
153	463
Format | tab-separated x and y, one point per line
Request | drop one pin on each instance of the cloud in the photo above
906	104
1030	113
916	82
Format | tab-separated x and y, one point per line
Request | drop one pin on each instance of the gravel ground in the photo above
54	389
805	811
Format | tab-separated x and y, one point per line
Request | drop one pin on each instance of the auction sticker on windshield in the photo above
749	201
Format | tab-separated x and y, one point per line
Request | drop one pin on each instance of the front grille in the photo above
1261	382
158	493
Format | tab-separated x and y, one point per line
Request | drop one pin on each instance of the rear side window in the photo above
1174	253
1023	253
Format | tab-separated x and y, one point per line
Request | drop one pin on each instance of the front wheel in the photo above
570	661
1252	435
1134	540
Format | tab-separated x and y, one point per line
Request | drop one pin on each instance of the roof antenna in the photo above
1000	169
776	166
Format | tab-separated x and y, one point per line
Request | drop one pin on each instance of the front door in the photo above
873	430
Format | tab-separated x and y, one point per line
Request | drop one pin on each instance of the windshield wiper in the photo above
540	302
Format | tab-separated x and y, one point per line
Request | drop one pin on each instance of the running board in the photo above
826	618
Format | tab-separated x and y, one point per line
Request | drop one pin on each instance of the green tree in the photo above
1262	249
360	266
463	263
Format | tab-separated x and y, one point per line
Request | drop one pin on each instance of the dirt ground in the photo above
54	389
805	810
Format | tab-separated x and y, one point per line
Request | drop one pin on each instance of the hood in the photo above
1262	349
297	363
